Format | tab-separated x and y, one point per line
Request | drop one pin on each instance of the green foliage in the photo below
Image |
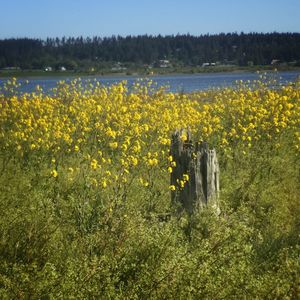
66	239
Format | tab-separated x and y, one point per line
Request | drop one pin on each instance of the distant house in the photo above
207	64
48	69
118	67
164	63
63	69
275	62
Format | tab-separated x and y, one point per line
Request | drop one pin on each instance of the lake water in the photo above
176	83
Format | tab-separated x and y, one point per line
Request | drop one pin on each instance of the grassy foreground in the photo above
85	175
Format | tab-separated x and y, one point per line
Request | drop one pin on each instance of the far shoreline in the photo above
36	74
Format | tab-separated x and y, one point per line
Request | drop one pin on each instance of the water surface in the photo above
176	83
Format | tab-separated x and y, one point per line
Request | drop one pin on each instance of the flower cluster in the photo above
117	133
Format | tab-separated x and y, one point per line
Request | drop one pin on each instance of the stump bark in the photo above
197	163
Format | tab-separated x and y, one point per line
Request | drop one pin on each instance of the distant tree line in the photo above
186	50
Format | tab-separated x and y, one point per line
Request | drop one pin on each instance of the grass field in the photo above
85	174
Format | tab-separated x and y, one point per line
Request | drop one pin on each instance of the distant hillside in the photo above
146	50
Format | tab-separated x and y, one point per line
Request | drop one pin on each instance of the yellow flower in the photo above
94	164
134	160
113	145
54	173
186	177
152	162
184	136
144	182
172	187
124	147
224	141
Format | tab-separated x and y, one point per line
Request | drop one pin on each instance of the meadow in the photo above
85	179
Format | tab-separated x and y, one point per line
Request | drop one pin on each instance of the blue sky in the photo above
52	18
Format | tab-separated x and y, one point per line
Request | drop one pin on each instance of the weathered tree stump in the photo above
195	174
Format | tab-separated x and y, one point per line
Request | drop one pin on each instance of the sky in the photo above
87	18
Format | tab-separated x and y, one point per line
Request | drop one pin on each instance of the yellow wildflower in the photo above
113	145
186	177
172	187
54	173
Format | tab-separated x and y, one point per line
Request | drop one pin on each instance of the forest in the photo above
79	53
